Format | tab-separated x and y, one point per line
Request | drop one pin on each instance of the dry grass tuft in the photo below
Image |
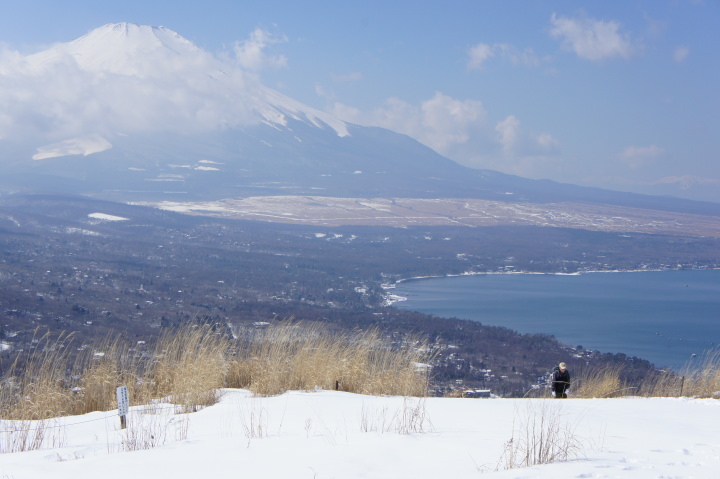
189	365
702	377
152	427
661	384
297	356
698	378
540	436
34	392
99	370
37	388
455	393
600	383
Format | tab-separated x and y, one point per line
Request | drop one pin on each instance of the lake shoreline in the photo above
390	299
667	319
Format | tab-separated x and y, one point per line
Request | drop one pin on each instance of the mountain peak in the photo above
121	48
135	36
124	77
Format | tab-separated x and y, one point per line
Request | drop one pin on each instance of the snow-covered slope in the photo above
121	65
339	435
120	48
76	146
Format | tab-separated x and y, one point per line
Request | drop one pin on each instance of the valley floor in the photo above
327	434
403	212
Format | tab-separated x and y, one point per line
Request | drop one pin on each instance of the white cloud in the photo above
323	92
482	52
448	121
639	156
60	93
592	39
525	57
514	150
680	54
547	142
251	53
351	77
508	133
461	130
479	54
440	122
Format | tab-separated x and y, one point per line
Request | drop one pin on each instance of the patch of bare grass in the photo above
411	418
100	369
26	435
188	366
700	377
540	436
151	427
291	356
600	383
661	384
37	388
191	366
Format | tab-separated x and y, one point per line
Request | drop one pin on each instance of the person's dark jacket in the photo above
560	382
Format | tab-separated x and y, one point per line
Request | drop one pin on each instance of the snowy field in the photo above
327	434
400	212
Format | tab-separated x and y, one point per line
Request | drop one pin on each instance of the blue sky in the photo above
616	94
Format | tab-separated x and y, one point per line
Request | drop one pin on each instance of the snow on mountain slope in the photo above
85	146
124	77
122	48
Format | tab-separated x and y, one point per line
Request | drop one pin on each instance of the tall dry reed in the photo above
191	365
600	383
35	387
32	392
300	356
700	377
188	366
100	369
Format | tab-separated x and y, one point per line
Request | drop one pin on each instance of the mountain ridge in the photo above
158	118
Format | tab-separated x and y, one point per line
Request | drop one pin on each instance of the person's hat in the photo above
562	366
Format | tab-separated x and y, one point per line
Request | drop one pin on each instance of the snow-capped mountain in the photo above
130	112
159	66
120	48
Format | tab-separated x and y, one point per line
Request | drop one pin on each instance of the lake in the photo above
662	316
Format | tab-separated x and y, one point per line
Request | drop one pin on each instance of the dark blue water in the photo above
662	316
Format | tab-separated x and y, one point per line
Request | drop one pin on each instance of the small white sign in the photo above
122	400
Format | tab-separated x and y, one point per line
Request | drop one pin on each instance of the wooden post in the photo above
123	405
682	384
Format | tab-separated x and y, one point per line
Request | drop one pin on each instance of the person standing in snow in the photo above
560	381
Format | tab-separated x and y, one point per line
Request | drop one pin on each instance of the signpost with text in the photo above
123	405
